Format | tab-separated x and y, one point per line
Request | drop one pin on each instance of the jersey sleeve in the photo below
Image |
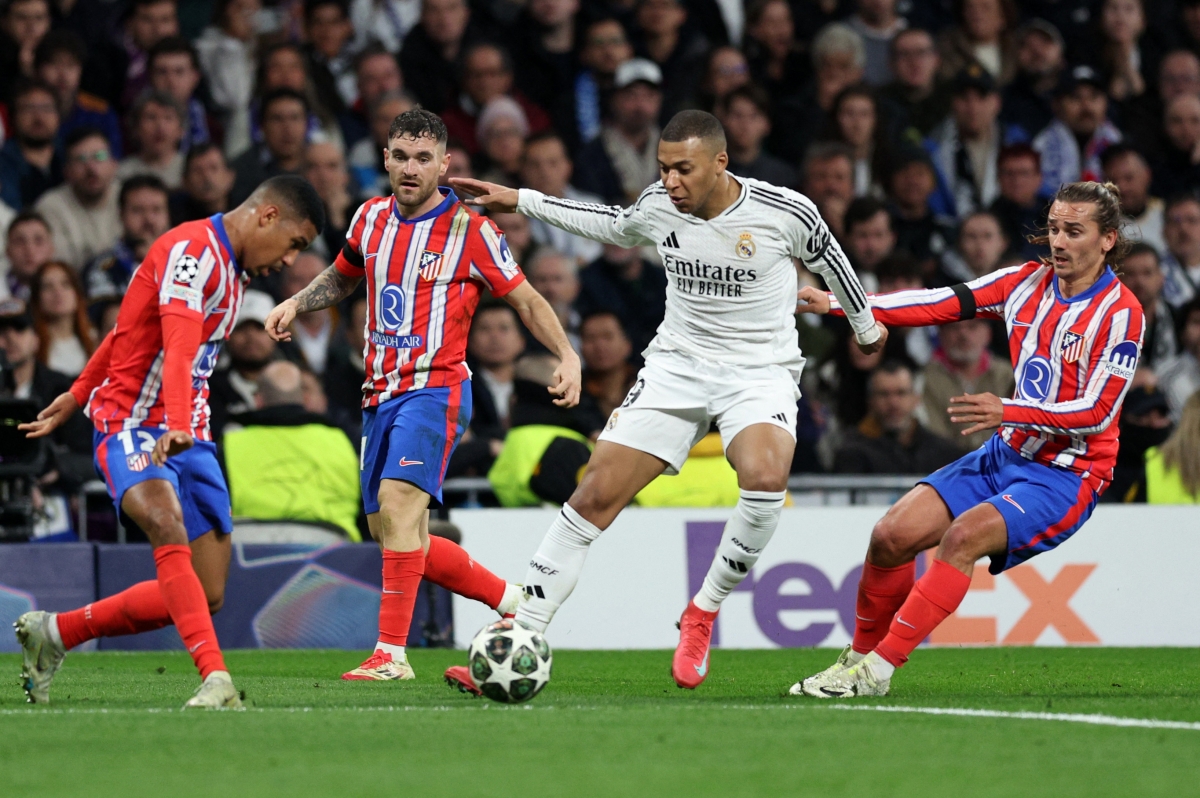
349	260
491	261
983	297
608	224
814	245
182	276
1110	370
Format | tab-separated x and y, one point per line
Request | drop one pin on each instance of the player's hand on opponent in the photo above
983	411
876	345
568	381
812	300
493	196
172	443
280	318
52	417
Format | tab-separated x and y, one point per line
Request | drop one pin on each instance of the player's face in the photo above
414	166
1142	275
277	241
689	171
1077	247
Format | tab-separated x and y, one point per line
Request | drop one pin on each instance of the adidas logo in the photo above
736	565
534	591
671	242
780	417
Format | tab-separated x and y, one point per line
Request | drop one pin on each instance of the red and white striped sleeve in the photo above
349	260
983	297
185	276
491	261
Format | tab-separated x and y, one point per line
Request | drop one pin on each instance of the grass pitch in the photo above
612	723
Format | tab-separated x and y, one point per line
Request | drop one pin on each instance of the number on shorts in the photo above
145	441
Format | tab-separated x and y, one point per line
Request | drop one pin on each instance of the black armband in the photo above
353	258
966	301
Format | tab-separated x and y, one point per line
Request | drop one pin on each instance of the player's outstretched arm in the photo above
326	290
493	196
539	318
53	417
64	405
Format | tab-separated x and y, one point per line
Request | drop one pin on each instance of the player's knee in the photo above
215	601
960	545
890	542
162	524
764	477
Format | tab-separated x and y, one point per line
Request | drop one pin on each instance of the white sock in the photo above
555	568
883	669
511	600
52	628
746	535
854	657
397	652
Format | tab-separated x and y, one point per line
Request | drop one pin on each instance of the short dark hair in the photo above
899	266
1179	199
83	133
751	94
546	135
173	45
889	367
372	50
59	42
198	150
280	94
1142	248
311	6
141	183
25	217
417	123
695	125
604	313
821	151
299	196
864	209
1116	151
506	62
1021	150
494	303
27	86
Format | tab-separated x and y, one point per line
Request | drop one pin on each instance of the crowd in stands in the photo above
928	134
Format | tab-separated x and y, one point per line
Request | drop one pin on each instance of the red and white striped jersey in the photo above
424	280
1073	358
190	270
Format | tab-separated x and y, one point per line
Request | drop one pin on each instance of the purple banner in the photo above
49	576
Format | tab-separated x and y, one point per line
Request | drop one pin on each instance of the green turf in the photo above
610	723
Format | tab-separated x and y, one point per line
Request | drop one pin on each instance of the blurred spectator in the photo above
962	364
459	166
285	463
28	245
284	129
325	168
1144	214
622	282
344	367
517	232
915	94
144	213
105	312
1021	208
226	50
727	70
1121	44
174	68
383	22
59	61
854	121
376	73
207	181
329	34
65	337
844	377
776	62
22	26
366	157
914	346
493	346
890	440
1179	377
312	333
966	145
982	34
147	23
487	73
1145	423
1181	262
7	215
878	24
1179	168
556	277
981	246
501	130
1178	75
547	168
869	238
1029	99
158	124
83	213
919	231
232	388
29	163
1141	272
605	47
1173	469
623	160
544	47
283	65
679	50
608	375
1072	144
430	53
828	180
745	113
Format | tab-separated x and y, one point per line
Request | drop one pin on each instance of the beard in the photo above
249	364
35	142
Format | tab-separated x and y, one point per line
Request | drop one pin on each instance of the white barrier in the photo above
1127	578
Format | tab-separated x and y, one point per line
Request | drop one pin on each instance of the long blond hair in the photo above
1181	451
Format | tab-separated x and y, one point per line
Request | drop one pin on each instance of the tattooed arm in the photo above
326	290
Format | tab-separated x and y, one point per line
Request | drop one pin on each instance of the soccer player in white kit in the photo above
726	351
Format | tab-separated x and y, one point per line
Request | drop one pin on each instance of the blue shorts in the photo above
411	438
123	458
1042	505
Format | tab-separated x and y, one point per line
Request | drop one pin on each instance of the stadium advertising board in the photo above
1115	583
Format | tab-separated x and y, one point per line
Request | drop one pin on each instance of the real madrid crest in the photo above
745	246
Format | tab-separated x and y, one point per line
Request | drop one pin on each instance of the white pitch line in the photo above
1095	720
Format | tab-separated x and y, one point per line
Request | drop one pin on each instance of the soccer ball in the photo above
509	662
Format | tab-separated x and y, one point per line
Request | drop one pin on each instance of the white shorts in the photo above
676	397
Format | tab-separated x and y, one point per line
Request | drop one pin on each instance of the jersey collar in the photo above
218	223
1104	282
448	199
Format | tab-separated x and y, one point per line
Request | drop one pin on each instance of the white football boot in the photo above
216	692
862	679
42	655
847	658
380	667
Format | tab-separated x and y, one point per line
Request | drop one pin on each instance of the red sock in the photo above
184	596
881	591
137	609
401	577
935	595
448	565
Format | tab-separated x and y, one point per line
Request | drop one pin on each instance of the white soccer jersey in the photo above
731	290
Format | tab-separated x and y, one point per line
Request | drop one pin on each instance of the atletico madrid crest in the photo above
1072	346
430	264
138	462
